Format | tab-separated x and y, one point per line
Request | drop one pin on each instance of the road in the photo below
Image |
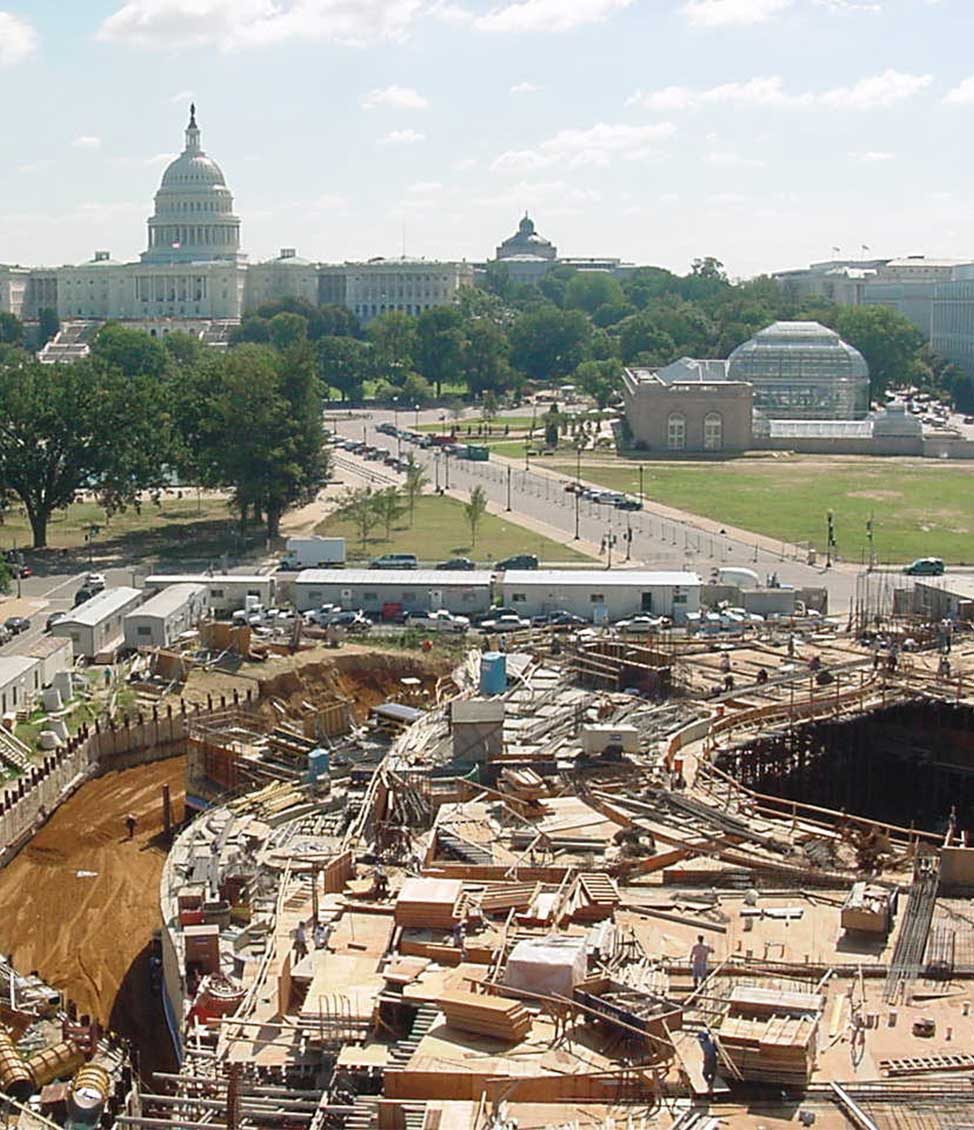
661	538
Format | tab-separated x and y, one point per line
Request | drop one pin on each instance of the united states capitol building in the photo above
193	274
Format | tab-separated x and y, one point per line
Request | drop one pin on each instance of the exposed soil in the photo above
90	935
365	675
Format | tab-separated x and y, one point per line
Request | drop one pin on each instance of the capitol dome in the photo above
193	220
802	371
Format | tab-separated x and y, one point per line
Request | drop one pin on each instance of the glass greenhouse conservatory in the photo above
802	371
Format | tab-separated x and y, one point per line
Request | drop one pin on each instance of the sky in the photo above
763	132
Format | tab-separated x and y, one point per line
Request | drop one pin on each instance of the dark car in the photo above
81	596
518	561
16	624
395	561
351	621
561	618
629	504
925	567
458	563
53	619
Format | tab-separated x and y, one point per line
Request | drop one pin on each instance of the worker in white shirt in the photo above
699	957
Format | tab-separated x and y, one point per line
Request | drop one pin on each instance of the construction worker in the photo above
130	825
709	1049
300	942
699	957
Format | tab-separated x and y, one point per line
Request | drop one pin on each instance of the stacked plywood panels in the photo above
497	1017
770	1035
429	904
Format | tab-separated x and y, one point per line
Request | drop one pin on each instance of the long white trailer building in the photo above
414	590
95	627
225	592
164	617
602	594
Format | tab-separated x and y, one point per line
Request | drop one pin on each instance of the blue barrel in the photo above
493	672
319	764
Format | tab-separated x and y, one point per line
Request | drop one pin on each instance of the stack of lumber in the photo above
508	896
523	783
769	1035
496	1017
429	904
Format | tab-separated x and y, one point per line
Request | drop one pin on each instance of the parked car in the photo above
82	595
321	615
639	625
509	622
439	620
351	621
925	567
395	561
561	619
16	624
95	582
458	563
518	561
53	619
629	504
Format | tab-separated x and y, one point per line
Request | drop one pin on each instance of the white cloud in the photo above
86	142
35	166
548	15
962	94
872	156
159	159
577	147
525	88
396	97
869	93
465	164
180	97
728	13
727	159
425	187
18	40
330	202
230	25
402	137
537	193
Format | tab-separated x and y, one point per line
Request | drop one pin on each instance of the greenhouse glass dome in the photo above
802	371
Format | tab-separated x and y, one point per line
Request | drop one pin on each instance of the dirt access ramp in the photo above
80	902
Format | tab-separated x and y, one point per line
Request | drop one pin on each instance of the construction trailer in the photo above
97	626
20	681
599	594
55	655
166	616
225	592
409	590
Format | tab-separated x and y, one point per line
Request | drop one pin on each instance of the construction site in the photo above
584	880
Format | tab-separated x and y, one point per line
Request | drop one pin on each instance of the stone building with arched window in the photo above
688	406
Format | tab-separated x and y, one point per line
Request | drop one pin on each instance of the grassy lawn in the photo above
520	423
176	528
919	507
440	531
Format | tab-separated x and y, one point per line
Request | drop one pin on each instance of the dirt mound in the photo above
363	678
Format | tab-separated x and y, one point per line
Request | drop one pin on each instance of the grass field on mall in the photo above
919	508
440	531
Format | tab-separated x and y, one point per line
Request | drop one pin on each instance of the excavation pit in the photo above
906	764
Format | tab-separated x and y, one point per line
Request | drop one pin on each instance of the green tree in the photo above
11	329
345	364
640	337
335	321
253	328
439	345
588	290
415	483
474	511
547	342
552	421
357	506
600	380
553	285
183	349
389	506
74	427
484	360
888	341
497	279
134	352
48	324
488	406
393	337
415	389
287	329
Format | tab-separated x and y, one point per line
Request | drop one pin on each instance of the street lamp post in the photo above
629	535
446	470
436	471
578	464
829	538
508	486
527	452
576	515
395	412
416	410
642	496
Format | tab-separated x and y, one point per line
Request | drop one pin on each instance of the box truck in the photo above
313	553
